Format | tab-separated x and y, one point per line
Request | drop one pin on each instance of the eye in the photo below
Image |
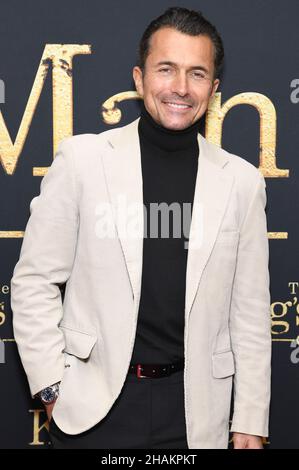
199	75
164	69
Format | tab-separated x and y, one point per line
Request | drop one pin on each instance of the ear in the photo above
138	79
214	87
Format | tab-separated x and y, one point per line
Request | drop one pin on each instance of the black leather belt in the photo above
155	370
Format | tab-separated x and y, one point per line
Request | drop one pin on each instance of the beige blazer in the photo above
87	342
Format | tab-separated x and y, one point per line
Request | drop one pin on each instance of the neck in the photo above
166	139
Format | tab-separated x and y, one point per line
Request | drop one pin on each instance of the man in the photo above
153	331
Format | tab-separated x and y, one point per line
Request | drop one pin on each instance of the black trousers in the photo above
149	413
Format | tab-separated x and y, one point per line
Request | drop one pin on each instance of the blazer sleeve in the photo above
45	262
250	321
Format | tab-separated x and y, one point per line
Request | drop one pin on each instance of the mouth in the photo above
177	106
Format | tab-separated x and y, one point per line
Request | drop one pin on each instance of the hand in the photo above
247	441
49	409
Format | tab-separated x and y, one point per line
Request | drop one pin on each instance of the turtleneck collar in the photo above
166	139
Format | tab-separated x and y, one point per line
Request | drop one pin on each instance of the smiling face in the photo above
178	79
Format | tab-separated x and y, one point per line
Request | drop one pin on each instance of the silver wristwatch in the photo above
49	394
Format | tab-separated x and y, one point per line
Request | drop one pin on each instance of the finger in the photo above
239	444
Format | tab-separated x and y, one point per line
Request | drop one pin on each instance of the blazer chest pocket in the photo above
77	343
223	364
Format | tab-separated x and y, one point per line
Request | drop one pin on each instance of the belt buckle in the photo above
139	372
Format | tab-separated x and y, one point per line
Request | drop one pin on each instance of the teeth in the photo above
174	105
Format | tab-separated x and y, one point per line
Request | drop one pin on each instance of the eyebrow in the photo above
173	64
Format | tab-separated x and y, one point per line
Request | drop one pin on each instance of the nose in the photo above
180	84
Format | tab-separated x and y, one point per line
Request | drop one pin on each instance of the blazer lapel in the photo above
123	171
212	191
122	167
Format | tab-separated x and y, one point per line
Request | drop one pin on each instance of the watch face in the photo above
48	395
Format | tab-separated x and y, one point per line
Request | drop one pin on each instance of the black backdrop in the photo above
261	42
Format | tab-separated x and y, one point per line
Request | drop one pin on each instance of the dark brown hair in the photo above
188	22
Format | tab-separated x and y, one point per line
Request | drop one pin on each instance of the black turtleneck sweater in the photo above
169	167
